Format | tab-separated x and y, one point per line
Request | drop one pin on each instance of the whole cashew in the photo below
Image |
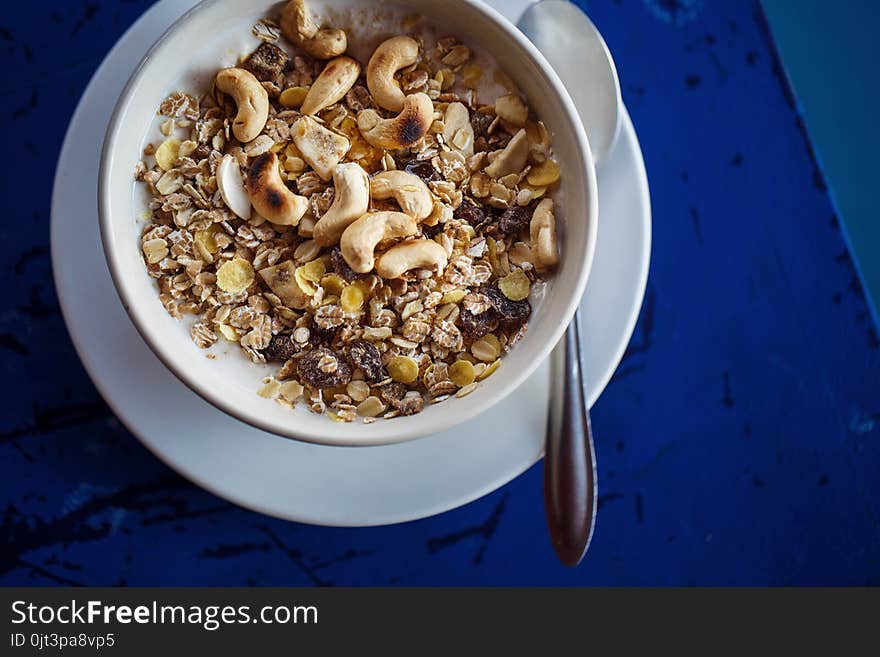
320	147
335	80
391	56
270	196
360	239
352	200
417	254
251	99
512	159
299	27
542	235
403	130
410	192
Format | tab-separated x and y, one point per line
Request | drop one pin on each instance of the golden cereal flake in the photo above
403	369
358	390
167	153
333	284
293	97
487	348
544	174
466	390
489	370
471	75
352	299
314	271
453	296
462	373
235	276
515	286
309	288
206	242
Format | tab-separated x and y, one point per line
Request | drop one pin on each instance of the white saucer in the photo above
299	481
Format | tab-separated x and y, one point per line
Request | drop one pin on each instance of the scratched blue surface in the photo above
739	442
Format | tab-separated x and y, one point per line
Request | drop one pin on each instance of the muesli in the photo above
374	228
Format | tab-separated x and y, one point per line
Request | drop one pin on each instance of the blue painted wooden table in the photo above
739	442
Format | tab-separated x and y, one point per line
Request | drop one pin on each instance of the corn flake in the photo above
453	296
515	286
352	299
489	370
167	153
462	373
293	97
235	276
403	369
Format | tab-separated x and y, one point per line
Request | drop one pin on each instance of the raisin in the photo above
319	336
432	231
392	393
340	267
309	368
423	169
471	213
506	308
280	348
474	327
367	358
515	219
511	326
268	63
480	122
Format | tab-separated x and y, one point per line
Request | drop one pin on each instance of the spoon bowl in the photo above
572	45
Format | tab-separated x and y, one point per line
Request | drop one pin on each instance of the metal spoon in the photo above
573	45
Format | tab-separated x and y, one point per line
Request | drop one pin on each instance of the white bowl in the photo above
214	34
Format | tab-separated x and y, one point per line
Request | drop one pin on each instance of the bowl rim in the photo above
445	421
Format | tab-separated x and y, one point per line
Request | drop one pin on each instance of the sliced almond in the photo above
457	129
512	109
512	158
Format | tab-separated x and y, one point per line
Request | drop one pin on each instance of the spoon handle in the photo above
570	459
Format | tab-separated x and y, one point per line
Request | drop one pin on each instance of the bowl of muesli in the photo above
345	221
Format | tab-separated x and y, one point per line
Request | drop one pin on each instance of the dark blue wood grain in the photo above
738	443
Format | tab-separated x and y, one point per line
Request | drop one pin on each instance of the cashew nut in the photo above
360	239
338	76
391	56
320	147
542	235
299	27
251	99
404	130
416	254
352	200
281	280
457	129
270	196
410	192
512	159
